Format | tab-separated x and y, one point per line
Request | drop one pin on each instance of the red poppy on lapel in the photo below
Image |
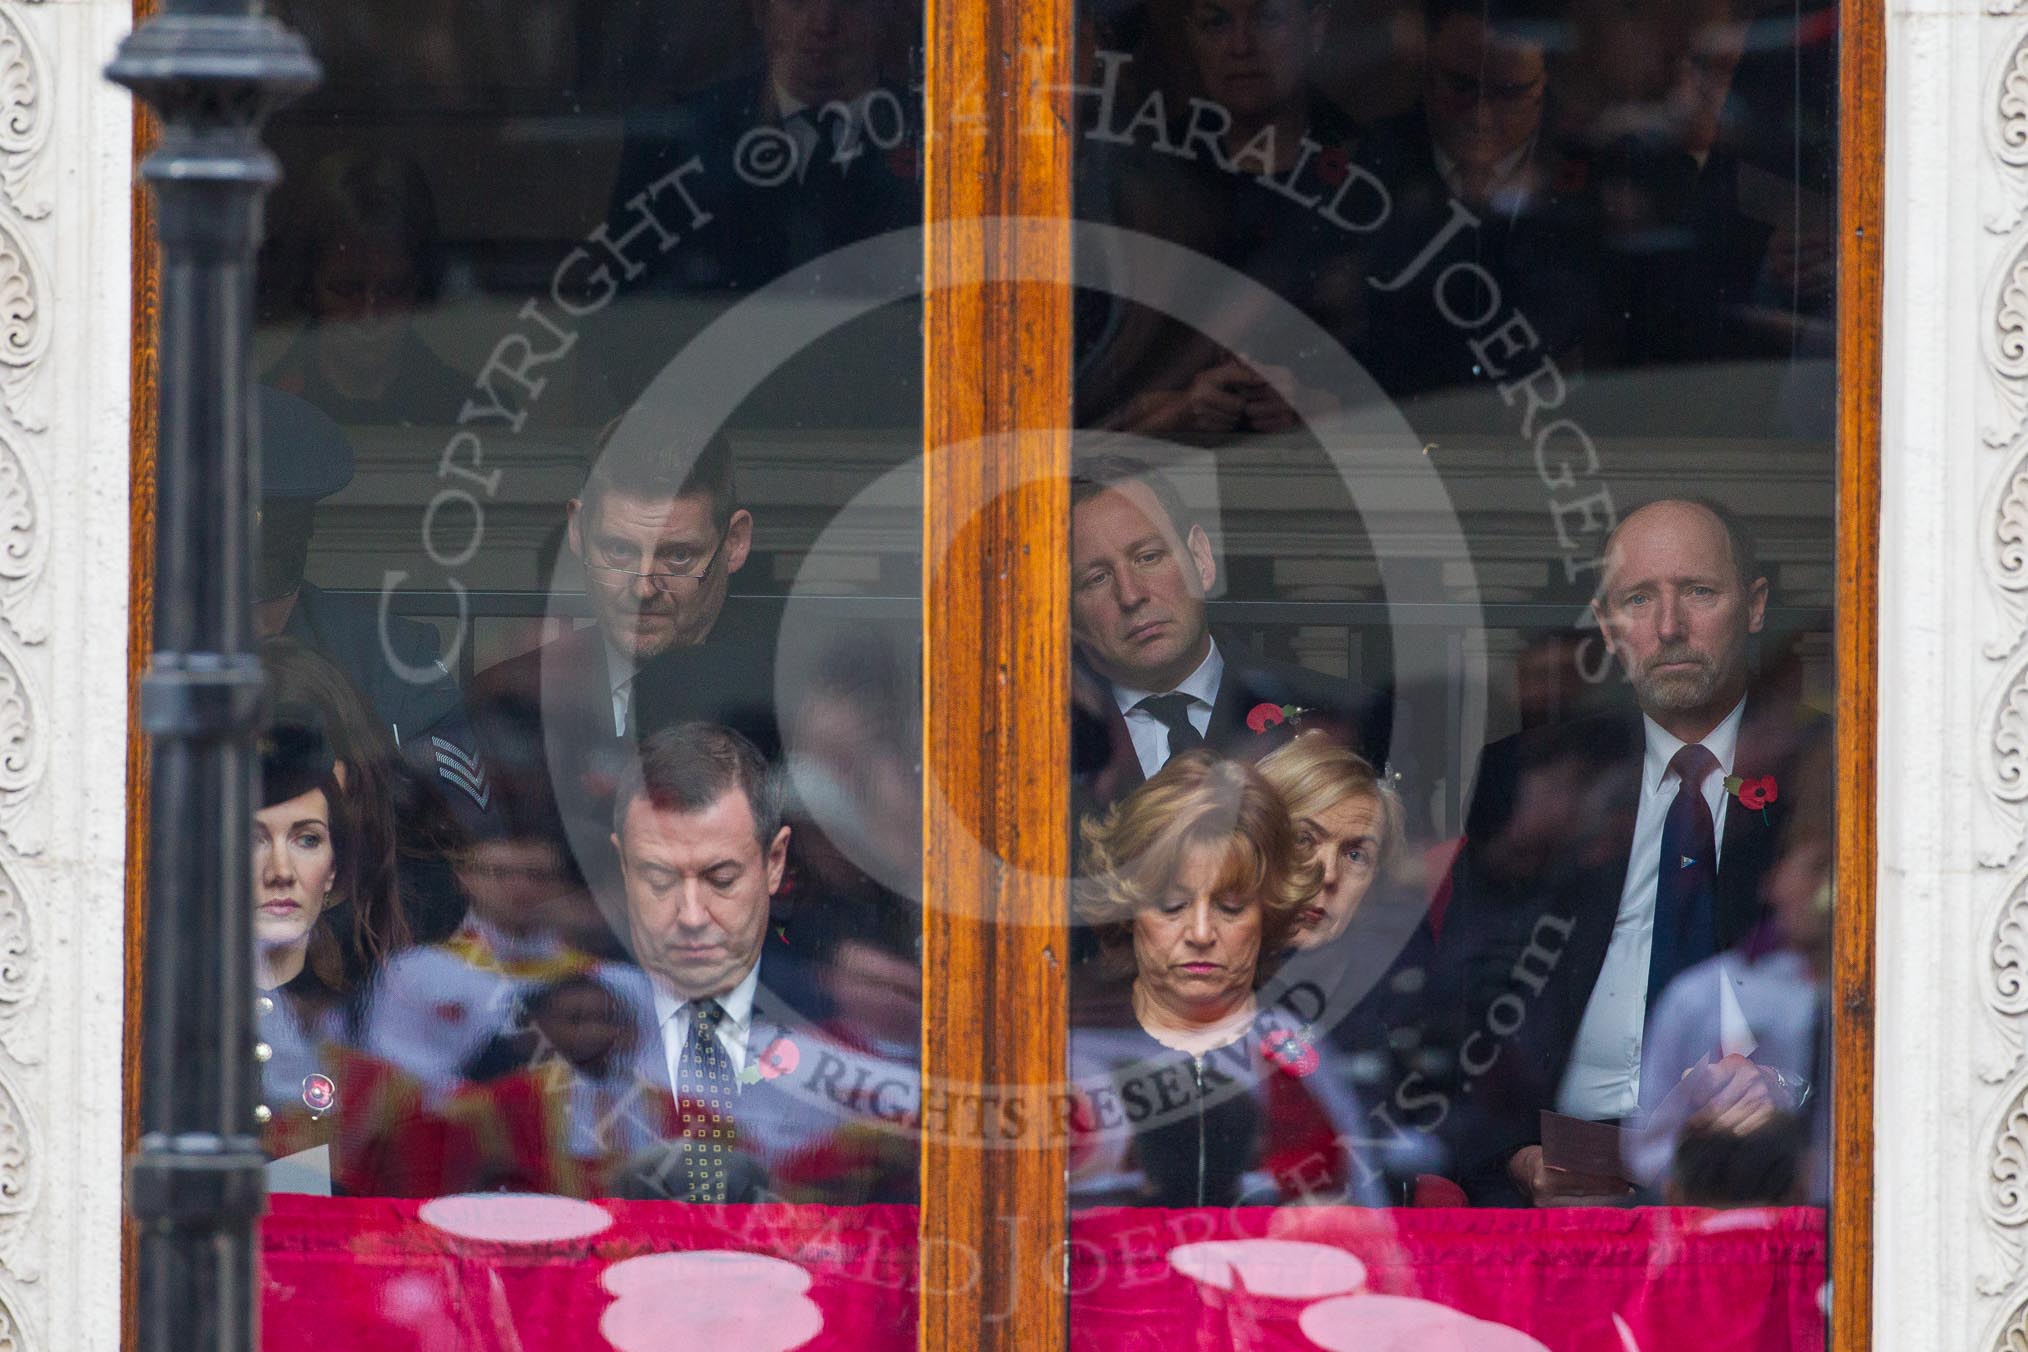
781	1057
1754	793
1291	1051
1261	717
1264	716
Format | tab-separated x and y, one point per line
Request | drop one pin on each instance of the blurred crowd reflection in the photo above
621	901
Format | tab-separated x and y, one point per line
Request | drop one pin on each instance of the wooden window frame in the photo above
996	631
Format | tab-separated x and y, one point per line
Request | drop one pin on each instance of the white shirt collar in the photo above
620	668
1201	684
737	1002
1722	742
787	105
1511	191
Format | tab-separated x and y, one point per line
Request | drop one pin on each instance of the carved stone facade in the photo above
65	167
1951	1105
1951	1217
2003	710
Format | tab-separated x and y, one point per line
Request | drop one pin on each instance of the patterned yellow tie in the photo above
704	1097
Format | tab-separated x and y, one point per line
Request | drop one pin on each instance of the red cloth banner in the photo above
1591	1280
508	1274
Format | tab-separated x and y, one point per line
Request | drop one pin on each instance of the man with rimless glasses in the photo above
658	541
657	532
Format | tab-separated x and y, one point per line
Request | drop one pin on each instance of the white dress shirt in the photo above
620	673
805	131
672	1014
1769	1007
1603	1079
1150	734
1511	189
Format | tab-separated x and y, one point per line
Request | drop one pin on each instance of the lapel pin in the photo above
781	1058
320	1095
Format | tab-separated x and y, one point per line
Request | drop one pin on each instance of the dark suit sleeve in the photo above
1489	1116
415	705
728	680
1341	707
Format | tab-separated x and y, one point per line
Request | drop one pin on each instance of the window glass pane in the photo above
588	856
1452	556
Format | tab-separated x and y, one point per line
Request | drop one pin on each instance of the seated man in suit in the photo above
658	535
1492	212
1155	376
1710	255
1152	681
807	152
767	1103
1605	856
392	661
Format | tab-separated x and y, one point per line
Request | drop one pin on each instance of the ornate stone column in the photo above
65	167
1952	1104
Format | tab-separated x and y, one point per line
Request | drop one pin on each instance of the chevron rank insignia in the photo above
463	769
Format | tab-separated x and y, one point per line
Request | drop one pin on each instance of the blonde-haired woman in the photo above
1193	883
1359	968
1347	822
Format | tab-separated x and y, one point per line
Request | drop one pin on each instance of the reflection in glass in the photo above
1565	937
1198	1095
621	866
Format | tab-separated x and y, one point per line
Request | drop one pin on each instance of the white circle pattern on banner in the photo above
515	1218
709	1300
1286	1269
1406	1324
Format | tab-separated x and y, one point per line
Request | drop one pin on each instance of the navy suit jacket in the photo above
1106	767
348	631
1535	895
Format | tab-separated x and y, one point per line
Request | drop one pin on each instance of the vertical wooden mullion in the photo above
1862	97
996	677
145	276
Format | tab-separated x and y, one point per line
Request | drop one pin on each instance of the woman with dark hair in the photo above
306	689
1206	1096
316	920
407	835
307	859
368	255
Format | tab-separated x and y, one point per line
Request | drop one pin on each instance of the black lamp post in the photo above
213	70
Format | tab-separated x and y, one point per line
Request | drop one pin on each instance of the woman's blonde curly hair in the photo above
1316	772
1133	853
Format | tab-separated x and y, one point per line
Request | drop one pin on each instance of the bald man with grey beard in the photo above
1606	855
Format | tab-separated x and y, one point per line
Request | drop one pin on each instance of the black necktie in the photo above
1685	904
704	1097
1172	711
